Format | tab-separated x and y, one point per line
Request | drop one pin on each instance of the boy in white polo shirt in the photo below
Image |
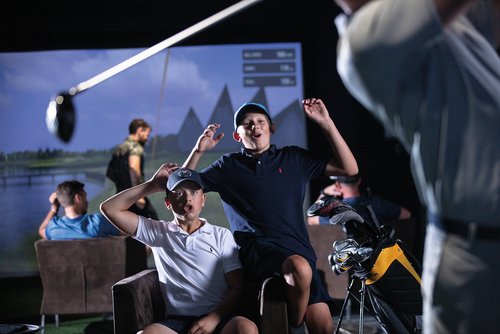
198	267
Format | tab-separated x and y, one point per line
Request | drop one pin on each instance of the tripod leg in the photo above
362	306
346	300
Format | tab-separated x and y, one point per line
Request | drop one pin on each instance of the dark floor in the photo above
20	298
370	325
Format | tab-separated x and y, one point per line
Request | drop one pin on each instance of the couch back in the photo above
77	275
322	238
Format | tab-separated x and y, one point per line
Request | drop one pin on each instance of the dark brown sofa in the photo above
77	275
138	302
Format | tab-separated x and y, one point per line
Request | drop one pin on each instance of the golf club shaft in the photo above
188	32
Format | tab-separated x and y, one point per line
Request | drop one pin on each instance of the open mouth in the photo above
188	208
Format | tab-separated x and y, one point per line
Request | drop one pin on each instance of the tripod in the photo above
362	275
361	302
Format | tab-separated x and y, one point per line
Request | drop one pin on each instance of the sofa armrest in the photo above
273	309
137	302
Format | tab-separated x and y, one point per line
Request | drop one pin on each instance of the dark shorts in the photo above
182	323
263	258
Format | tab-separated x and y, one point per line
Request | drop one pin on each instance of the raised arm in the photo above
116	207
205	142
343	161
54	207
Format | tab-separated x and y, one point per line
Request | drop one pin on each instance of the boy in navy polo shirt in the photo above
262	190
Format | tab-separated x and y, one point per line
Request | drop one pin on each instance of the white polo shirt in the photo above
191	267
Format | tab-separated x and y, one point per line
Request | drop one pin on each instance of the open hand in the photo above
208	139
316	110
161	176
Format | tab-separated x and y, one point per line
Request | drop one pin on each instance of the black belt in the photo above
470	230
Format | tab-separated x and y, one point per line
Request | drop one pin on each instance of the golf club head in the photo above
339	268
60	117
363	253
340	261
344	215
343	244
337	211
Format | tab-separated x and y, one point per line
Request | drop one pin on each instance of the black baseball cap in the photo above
181	175
250	107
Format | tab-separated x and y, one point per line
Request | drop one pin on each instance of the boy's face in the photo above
186	201
254	132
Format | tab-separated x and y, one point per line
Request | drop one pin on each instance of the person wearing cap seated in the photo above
348	190
197	262
76	223
262	189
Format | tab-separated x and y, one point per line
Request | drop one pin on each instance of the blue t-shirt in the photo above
265	196
84	227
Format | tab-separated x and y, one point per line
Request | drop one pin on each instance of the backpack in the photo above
118	170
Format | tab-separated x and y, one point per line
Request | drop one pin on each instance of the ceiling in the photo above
30	25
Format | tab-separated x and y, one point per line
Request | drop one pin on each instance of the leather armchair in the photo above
138	302
77	275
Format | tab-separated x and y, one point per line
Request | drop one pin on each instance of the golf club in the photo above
61	117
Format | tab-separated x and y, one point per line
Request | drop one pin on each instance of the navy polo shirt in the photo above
265	196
